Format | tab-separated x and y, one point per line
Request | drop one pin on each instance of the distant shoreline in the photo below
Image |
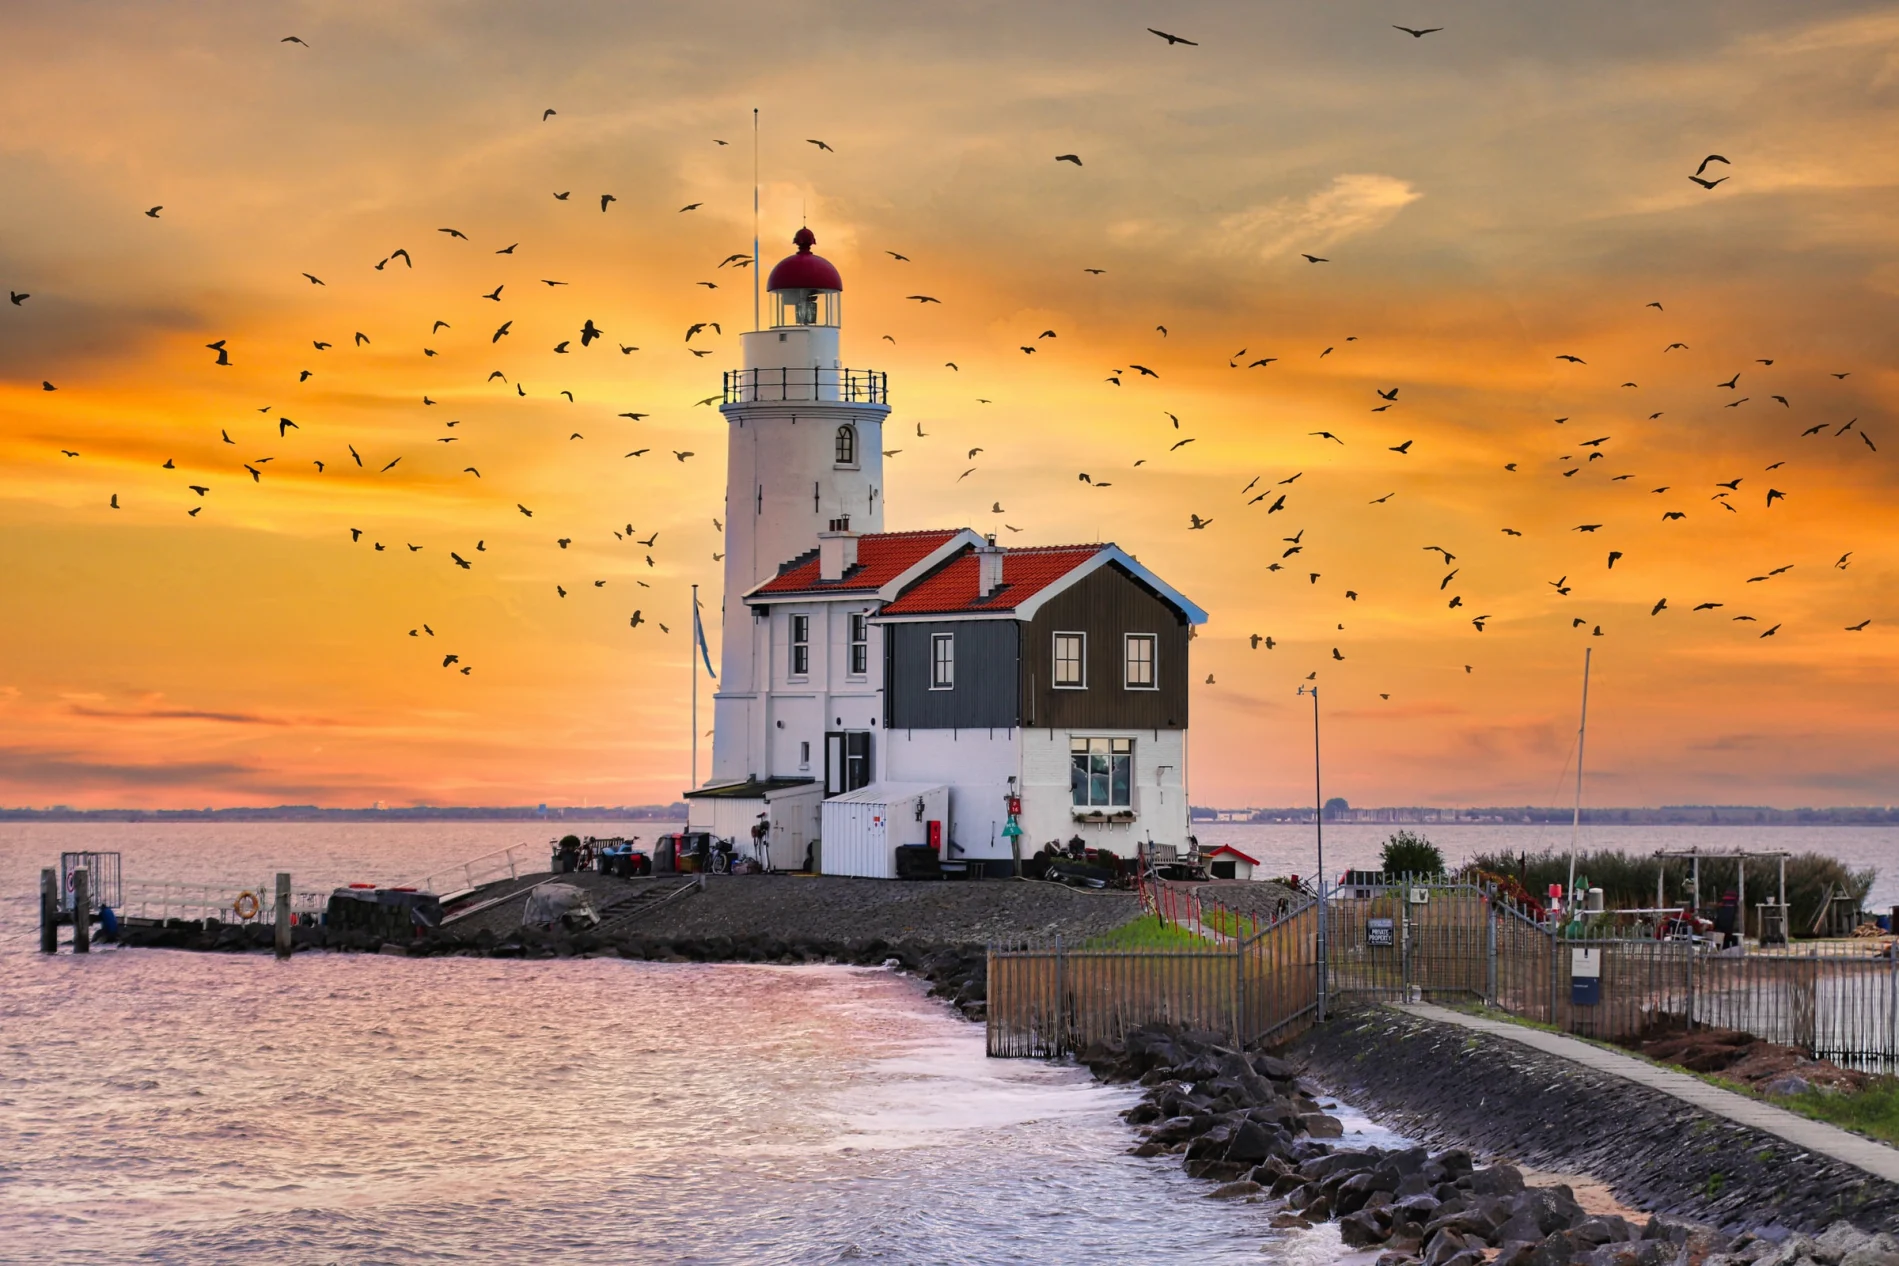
1203	817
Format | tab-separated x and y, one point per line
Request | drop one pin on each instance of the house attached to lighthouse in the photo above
929	687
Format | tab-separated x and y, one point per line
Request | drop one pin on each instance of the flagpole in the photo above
754	219
692	653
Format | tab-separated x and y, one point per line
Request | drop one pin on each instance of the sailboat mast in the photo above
1575	823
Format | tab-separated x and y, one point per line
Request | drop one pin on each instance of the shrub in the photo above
1407	853
1628	879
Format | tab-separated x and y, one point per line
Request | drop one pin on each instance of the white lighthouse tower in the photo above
804	459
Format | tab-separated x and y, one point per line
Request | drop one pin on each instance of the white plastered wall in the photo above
1159	791
976	765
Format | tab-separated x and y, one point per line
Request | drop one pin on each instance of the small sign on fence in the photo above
1585	977
1381	933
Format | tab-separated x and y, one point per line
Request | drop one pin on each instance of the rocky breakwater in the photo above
1251	1124
1441	1082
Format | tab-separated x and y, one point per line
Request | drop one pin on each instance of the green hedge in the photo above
1628	879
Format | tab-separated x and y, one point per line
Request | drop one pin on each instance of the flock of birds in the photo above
317	444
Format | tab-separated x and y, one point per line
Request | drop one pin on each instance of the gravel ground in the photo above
832	908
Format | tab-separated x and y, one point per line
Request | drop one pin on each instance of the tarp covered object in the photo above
559	903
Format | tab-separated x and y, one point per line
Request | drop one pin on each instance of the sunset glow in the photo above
1487	200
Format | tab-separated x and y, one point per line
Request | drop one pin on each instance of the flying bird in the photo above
1314	259
1068	158
285	424
500	332
155	210
821	145
1574	360
1712	158
1401	449
1659	607
923	298
224	356
1706	184
1855	628
1173	39
1417	33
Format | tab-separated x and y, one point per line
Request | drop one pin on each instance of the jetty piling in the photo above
82	911
283	914
49	910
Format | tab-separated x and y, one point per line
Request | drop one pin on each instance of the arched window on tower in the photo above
847	445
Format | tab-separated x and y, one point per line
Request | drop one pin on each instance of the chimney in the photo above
988	566
837	550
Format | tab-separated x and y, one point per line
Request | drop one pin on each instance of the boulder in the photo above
1599	1229
1291	1222
1497	1180
1234	1190
1251	1143
1364	1228
1321	1126
1553	1208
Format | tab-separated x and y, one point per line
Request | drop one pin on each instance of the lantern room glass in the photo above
807	307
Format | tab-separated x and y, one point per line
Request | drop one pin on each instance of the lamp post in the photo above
1318	830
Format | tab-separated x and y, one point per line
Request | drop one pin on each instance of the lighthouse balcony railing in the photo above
847	386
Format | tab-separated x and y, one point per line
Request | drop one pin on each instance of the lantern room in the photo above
805	288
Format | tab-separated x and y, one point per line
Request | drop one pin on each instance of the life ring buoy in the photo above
246	906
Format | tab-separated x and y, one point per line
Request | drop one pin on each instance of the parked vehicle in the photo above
683	852
623	858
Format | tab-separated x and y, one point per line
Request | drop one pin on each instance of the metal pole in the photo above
1318	830
49	910
82	912
755	264
692	658
1575	825
283	914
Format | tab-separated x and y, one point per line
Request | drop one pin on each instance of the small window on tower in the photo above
800	645
860	643
847	445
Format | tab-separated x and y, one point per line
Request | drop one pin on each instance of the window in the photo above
800	645
1070	659
1101	772
942	661
847	445
1140	662
804	755
860	643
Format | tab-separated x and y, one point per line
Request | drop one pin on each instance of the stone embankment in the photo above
1252	1124
1439	1083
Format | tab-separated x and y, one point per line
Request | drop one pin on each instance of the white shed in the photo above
862	830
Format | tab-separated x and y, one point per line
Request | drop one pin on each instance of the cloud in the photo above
39	768
1349	206
187	714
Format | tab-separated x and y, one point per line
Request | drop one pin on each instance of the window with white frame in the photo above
1101	772
1070	661
847	445
800	645
860	643
1140	662
942	661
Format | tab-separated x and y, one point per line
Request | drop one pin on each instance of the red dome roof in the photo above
804	271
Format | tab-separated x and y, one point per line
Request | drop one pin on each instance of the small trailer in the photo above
863	830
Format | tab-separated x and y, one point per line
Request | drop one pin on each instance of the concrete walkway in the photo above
1814	1136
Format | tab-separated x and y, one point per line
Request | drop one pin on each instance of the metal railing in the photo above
505	863
222	900
848	386
1451	942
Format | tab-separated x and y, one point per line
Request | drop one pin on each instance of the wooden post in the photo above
283	914
82	912
49	910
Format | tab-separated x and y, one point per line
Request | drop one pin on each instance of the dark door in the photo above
847	764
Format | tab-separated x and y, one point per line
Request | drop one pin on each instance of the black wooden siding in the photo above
1105	605
985	695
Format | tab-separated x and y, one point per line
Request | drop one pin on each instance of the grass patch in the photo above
1147	933
1230	923
1873	1111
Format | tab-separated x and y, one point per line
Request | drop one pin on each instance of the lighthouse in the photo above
925	700
804	468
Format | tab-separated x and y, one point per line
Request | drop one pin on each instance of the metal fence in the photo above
1050	1000
851	386
1449	943
226	902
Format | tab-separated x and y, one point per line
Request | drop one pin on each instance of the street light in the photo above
1318	830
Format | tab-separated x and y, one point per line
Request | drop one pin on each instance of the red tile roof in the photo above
881	558
951	589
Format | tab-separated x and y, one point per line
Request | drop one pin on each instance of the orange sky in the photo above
1511	189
